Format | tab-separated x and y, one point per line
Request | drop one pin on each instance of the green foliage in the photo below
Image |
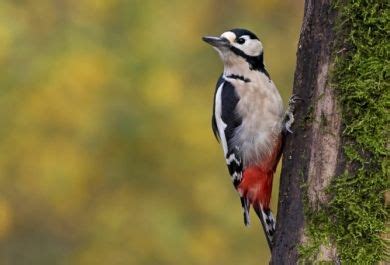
361	77
316	229
356	217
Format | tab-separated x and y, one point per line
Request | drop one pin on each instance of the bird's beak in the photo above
217	41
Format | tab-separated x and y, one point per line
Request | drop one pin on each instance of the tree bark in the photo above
312	154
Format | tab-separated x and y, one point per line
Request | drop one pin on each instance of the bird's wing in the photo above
213	120
225	122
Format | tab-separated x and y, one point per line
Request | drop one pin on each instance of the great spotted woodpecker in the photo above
249	121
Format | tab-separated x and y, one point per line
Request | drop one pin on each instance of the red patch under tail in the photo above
256	184
256	189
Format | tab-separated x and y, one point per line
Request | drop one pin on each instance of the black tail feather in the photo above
245	206
267	222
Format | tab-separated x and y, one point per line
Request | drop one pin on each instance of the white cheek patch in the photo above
229	35
251	47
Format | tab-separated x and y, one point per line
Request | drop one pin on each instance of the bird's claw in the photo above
293	99
289	121
289	115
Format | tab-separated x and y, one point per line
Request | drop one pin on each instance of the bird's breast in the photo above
261	108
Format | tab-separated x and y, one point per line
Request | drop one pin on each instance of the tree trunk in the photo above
335	164
312	153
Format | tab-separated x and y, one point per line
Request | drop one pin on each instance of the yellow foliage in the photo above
5	37
5	219
107	155
163	88
206	253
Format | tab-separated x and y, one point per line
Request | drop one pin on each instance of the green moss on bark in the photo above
355	220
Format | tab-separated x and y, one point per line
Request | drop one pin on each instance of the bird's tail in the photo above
267	221
245	207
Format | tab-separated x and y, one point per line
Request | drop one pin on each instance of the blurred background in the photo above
107	154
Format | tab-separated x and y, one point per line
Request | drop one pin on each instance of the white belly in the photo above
261	107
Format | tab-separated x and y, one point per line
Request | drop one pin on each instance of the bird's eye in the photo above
240	40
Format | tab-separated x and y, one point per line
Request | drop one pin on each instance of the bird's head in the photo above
238	46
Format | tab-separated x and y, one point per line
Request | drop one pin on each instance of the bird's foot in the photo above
289	115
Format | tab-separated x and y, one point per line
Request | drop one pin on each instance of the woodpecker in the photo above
249	121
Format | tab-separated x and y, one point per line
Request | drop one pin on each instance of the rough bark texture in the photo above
312	153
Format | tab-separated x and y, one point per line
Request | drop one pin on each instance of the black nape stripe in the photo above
240	77
255	62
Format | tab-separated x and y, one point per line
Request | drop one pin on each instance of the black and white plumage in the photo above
248	121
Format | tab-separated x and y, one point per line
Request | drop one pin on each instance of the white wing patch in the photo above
218	118
231	158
